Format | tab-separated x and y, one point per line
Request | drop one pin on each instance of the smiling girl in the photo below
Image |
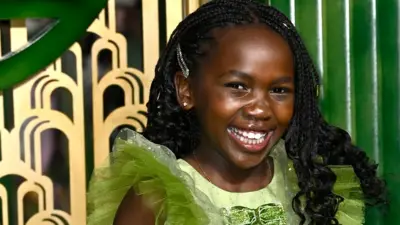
234	134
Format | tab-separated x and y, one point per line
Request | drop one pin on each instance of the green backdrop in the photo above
354	43
356	46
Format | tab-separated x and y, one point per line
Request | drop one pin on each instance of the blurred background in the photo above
355	45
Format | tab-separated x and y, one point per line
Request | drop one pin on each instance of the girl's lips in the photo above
252	141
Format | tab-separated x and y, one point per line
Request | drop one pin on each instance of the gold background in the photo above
34	114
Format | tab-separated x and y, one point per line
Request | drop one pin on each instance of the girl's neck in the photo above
225	175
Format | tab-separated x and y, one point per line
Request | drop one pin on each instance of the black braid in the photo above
310	142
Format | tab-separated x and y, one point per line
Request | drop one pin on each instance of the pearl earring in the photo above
184	104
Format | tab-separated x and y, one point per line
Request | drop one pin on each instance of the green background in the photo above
361	80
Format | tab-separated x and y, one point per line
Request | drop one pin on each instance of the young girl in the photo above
234	134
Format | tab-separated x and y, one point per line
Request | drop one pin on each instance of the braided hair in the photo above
311	143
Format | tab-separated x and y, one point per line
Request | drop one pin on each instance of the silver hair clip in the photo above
181	62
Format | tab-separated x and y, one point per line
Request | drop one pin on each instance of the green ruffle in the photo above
153	172
352	210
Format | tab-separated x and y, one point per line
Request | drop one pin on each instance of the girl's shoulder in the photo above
153	173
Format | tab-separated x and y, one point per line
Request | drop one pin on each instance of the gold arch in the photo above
4	206
20	146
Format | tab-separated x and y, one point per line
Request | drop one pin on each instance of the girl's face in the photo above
243	94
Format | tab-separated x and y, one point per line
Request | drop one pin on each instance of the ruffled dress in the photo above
184	197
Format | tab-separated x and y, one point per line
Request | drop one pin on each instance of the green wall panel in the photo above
355	45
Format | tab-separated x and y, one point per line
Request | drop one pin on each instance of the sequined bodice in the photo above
260	207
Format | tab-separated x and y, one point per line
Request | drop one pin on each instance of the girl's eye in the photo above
237	86
280	93
279	90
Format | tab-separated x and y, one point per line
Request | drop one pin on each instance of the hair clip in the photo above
317	90
181	62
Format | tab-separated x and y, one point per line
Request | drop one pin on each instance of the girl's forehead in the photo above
249	46
248	37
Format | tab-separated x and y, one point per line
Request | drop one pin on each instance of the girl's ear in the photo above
183	91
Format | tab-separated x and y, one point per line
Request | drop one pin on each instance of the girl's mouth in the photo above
251	140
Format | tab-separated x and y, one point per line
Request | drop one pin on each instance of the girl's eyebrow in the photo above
236	73
282	80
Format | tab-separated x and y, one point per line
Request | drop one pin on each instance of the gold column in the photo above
192	5
151	43
174	15
19	35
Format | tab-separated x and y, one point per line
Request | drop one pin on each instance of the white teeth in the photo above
248	137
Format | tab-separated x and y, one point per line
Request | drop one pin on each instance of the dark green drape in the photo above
355	45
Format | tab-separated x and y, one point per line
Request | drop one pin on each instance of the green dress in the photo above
186	197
